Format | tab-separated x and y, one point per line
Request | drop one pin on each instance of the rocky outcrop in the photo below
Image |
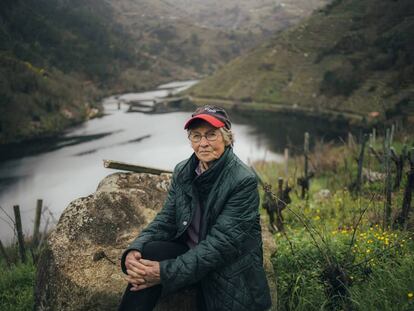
80	266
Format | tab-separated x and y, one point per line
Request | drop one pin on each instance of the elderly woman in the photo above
208	234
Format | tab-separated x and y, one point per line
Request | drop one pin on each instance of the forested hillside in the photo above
54	57
352	56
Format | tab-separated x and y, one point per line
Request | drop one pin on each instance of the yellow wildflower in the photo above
410	295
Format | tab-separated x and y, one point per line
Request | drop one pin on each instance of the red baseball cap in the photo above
216	116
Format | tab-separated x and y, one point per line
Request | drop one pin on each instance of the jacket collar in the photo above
186	176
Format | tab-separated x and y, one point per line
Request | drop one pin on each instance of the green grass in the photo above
380	283
16	287
388	288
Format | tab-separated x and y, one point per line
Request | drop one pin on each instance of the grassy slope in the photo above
353	56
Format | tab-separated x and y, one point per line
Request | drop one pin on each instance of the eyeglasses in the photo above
196	137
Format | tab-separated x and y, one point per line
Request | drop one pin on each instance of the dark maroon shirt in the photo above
193	231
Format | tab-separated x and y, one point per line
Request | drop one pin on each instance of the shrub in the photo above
341	81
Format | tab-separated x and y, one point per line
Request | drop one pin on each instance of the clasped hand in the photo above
142	273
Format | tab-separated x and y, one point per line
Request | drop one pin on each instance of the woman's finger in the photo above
132	256
140	266
146	262
134	274
137	270
137	255
133	280
129	280
139	287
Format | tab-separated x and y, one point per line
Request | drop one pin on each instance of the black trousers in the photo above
146	299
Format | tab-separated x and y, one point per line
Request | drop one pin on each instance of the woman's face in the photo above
207	150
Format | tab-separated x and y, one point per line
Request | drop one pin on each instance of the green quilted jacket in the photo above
228	261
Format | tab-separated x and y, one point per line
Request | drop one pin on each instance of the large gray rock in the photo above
80	267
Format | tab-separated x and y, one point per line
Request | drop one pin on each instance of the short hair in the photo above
228	136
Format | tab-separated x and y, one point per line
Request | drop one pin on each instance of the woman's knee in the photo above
161	250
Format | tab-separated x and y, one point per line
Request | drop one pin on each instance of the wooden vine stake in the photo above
388	186
399	165
305	184
358	182
374	136
392	133
351	143
403	217
39	205
19	230
280	206
286	154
